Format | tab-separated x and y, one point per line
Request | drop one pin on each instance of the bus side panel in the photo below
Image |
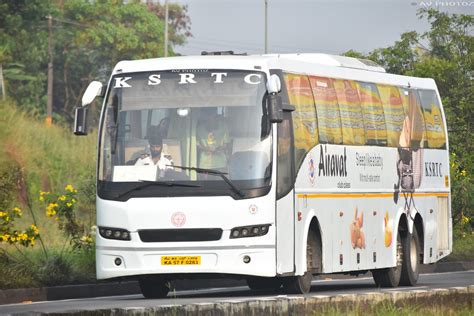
285	234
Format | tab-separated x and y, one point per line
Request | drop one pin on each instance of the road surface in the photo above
325	286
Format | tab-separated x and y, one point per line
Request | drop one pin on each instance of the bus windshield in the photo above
185	127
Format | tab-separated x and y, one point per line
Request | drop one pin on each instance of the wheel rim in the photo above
309	258
399	253
413	254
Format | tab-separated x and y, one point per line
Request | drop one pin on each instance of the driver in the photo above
153	156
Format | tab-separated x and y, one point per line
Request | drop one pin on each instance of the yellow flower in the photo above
4	237
32	242
86	239
42	194
463	173
464	220
3	214
69	204
23	236
70	188
35	229
62	198
73	201
51	209
17	211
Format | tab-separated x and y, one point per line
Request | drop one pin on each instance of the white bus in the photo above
270	168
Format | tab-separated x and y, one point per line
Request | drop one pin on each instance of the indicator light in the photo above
249	231
114	233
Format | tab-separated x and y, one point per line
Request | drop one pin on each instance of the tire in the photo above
301	284
411	255
154	287
261	283
390	277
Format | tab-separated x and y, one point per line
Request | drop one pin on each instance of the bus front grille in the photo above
174	235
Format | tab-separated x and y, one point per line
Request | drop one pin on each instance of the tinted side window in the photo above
393	111
329	119
374	120
305	128
284	155
435	132
353	132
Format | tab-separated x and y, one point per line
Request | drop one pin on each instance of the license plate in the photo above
180	260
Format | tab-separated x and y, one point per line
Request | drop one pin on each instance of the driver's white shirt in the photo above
163	163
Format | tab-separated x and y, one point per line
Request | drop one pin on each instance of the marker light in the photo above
249	231
114	233
183	112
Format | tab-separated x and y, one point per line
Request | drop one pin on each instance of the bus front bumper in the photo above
257	260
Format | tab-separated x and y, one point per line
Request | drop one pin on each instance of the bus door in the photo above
285	204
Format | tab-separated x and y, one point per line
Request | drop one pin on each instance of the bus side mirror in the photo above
275	111
80	121
273	84
94	89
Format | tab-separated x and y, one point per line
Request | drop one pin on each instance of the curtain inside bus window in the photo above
305	128
374	120
327	109
353	132
413	131
393	111
435	132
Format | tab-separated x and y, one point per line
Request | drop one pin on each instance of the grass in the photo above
36	158
463	248
49	158
388	308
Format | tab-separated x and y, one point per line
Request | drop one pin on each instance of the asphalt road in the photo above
326	286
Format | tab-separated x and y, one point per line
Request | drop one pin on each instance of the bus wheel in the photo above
411	253
154	287
301	284
261	283
390	277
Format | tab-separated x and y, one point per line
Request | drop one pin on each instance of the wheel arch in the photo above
311	226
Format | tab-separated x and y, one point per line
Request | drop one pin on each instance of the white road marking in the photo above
405	288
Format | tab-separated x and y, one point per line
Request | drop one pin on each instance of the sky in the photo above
304	26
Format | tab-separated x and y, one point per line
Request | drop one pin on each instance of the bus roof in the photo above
306	63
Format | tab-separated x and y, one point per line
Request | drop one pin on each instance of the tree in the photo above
23	41
103	33
89	37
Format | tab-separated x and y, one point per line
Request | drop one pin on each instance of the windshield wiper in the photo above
146	183
214	172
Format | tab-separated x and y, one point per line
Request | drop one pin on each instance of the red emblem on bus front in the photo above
178	219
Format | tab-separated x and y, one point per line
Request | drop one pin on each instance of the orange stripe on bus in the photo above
361	195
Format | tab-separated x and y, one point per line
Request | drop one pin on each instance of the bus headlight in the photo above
249	231
114	233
